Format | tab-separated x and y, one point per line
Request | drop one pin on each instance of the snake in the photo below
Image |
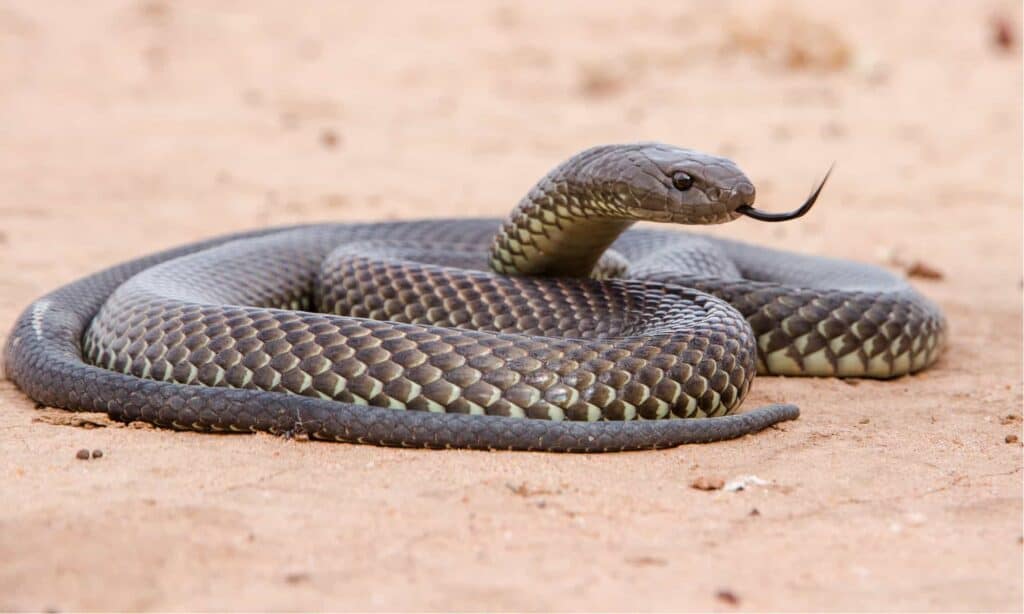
560	328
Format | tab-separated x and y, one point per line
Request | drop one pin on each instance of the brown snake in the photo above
559	329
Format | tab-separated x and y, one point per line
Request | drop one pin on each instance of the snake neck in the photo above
563	225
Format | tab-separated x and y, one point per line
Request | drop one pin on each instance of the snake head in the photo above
661	183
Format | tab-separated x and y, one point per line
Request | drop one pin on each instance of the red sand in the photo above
131	126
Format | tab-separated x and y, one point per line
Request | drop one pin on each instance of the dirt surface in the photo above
132	126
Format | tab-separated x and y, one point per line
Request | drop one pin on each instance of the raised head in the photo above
662	183
572	215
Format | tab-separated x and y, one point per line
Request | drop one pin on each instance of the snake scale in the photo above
559	329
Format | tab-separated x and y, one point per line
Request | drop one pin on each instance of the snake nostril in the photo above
742	194
747	192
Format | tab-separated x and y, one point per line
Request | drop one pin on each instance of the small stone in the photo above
705	483
727	596
744	482
923	270
601	80
1011	439
755	512
97	453
864	420
296	577
329	139
82	454
1002	33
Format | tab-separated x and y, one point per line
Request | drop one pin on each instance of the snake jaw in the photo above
686	218
764	216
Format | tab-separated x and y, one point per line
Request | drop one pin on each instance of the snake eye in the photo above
682	181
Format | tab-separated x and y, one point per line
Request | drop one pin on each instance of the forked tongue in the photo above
765	216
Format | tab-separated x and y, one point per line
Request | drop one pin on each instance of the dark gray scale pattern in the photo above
396	334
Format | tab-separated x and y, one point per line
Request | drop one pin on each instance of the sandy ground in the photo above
132	126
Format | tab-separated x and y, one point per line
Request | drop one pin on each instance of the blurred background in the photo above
128	126
180	119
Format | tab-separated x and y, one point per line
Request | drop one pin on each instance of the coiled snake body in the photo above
559	315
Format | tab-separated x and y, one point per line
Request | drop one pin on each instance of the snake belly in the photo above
398	334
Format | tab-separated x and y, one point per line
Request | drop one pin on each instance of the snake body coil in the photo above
590	331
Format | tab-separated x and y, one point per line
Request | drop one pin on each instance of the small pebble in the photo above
1011	439
755	512
82	454
329	139
296	577
727	596
1002	33
704	483
923	270
97	453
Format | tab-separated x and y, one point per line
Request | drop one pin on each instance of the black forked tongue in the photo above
764	216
